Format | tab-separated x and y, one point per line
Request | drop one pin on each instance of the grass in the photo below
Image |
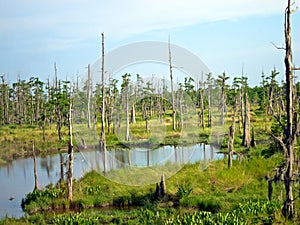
195	188
216	189
16	141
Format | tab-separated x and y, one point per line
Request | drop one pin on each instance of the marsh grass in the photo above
16	141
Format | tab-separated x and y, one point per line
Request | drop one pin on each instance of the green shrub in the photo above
210	205
184	190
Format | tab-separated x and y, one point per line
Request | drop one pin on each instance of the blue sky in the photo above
224	34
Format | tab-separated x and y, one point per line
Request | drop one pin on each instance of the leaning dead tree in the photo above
290	133
292	126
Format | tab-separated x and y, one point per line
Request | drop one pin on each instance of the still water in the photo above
16	178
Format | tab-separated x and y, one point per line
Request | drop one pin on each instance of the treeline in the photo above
46	103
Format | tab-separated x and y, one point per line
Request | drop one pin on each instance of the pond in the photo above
17	179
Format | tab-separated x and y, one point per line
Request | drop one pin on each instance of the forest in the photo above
256	129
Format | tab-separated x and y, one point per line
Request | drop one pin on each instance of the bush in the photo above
210	205
184	190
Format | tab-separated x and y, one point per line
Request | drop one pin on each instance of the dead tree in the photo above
102	139
201	93
58	113
125	86
290	136
88	96
209	98
223	107
132	118
230	142
36	182
161	189
172	89
291	129
70	154
246	124
253	142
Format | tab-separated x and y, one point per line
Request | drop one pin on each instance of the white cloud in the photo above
85	19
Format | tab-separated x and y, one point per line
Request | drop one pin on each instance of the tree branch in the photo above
278	120
280	48
279	140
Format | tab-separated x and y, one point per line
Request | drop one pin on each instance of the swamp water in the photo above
17	179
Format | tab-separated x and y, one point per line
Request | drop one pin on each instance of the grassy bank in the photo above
216	190
16	141
197	193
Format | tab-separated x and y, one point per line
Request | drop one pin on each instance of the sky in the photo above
230	36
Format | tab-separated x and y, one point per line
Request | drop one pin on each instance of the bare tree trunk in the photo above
58	119
36	182
88	95
102	140
133	114
242	110
161	189
289	208
209	111
70	156
95	126
61	161
147	123
230	142
253	142
209	97
172	90
2	100
44	124
163	186
127	111
202	106
246	125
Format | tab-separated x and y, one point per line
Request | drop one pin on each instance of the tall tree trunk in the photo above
57	106
172	89
246	125
61	162
181	110
70	155
36	182
133	114
102	140
242	110
202	105
209	98
127	111
230	142
289	208
253	142
88	95
2	101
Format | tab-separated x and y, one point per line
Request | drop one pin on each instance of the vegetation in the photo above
216	193
239	191
234	196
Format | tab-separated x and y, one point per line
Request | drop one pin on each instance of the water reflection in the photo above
17	179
